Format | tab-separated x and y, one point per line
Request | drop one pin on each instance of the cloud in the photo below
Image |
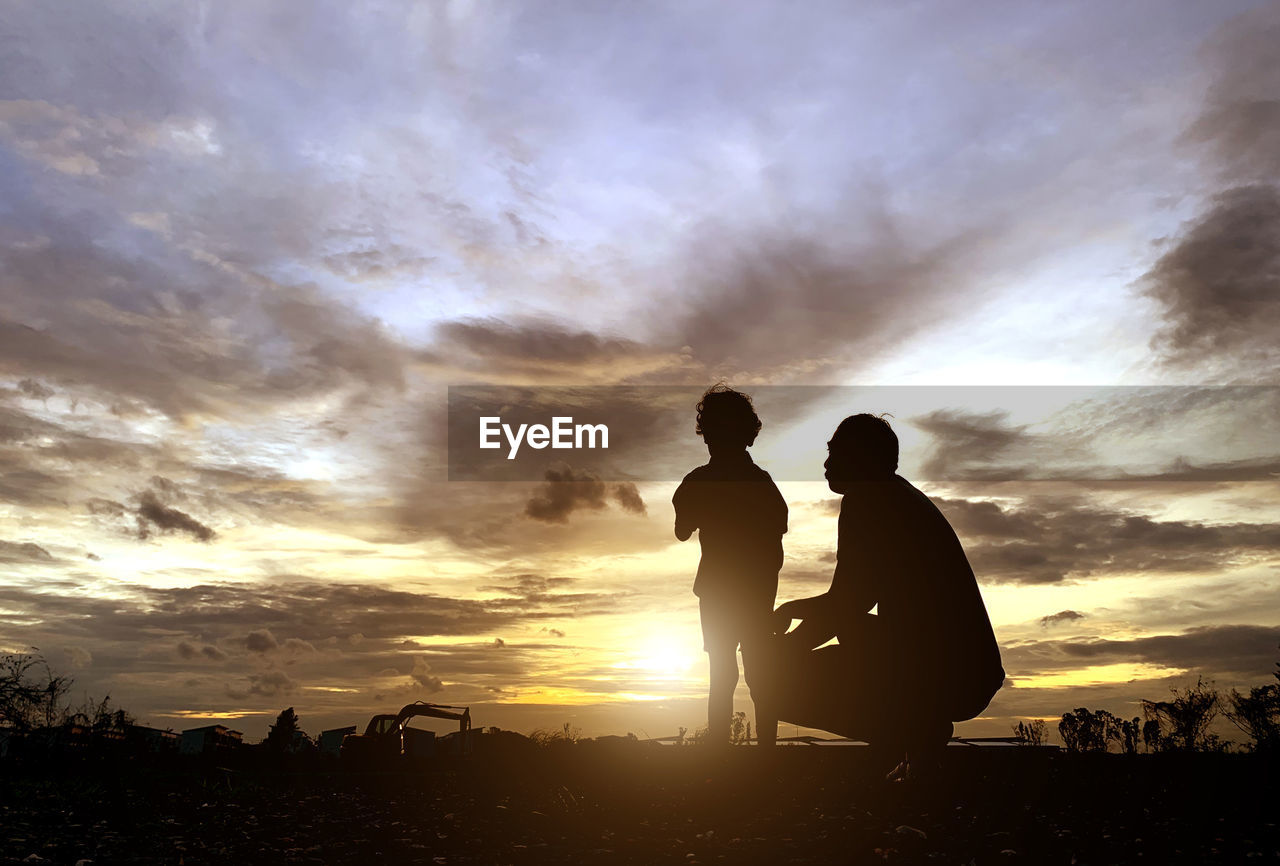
763	303
17	553
152	513
1219	283
1225	650
969	445
189	651
260	641
499	642
35	389
566	491
542	348
269	684
78	657
1059	617
628	497
1042	541
422	676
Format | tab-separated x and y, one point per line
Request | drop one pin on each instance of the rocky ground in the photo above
653	804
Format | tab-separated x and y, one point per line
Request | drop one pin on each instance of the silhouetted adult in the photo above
897	678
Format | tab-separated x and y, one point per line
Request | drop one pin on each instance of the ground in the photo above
652	804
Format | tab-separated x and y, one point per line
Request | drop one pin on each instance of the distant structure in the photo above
153	740
208	740
331	740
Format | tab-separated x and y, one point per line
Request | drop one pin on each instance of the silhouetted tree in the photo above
1030	733
280	738
30	695
102	719
739	729
1129	732
1258	715
1085	731
1182	724
1151	735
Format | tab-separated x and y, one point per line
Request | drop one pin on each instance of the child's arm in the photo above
686	523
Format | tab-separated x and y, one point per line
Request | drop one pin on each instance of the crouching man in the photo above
897	678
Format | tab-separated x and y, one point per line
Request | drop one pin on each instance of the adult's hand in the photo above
783	617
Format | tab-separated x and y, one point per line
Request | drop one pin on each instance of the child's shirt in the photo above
741	518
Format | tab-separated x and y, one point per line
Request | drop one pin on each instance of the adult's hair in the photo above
726	416
871	438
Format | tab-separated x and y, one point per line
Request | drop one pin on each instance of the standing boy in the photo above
740	517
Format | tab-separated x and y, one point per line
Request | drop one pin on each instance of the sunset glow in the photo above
242	262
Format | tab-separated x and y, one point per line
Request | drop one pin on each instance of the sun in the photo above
664	656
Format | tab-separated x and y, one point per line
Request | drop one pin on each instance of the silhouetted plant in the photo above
284	734
739	729
567	735
1030	733
1129	732
30	694
1182	724
103	720
698	737
1086	731
1257	714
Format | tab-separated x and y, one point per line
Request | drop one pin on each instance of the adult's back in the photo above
896	550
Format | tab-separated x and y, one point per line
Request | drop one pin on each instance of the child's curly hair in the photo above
727	416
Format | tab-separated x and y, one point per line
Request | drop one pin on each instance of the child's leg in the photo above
724	679
760	666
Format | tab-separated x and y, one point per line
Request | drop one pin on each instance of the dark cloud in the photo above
1219	283
1239	125
35	389
566	491
628	497
767	305
1198	435
421	675
269	684
260	641
499	642
165	341
1225	650
531	346
969	445
308	610
1060	616
152	513
1049	541
12	552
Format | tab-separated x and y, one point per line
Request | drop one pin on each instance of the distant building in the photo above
331	740
209	739
153	740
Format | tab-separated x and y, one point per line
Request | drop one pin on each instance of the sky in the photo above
246	249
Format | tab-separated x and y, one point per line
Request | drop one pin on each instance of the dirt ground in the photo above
654	804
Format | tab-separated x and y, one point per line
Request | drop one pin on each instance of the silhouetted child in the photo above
740	517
